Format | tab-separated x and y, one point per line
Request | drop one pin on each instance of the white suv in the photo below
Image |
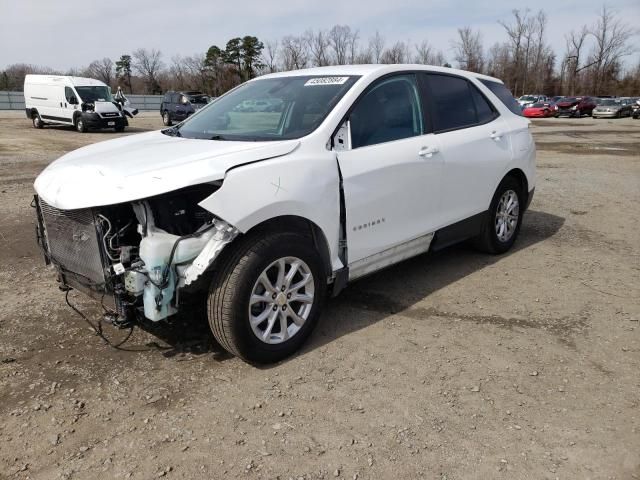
264	212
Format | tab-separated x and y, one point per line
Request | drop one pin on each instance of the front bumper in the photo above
94	120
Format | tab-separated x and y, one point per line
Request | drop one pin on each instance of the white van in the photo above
62	100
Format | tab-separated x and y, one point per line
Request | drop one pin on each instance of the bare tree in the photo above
398	53
353	46
612	43
340	40
148	63
516	33
101	70
294	53
270	56
376	46
468	50
178	72
198	72
572	63
318	44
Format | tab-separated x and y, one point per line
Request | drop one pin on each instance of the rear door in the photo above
474	145
390	170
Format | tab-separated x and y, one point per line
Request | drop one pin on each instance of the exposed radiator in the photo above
72	241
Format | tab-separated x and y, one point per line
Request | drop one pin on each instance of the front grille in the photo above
72	241
110	114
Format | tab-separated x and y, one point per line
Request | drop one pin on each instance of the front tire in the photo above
266	296
80	125
166	119
119	129
504	218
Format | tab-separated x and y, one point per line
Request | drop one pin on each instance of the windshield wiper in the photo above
217	137
173	131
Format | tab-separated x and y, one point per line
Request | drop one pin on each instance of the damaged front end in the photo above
135	257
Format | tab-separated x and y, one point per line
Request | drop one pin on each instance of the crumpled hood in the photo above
566	104
140	166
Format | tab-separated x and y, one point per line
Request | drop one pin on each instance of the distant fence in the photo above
15	101
11	101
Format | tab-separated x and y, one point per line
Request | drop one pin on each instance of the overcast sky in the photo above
72	33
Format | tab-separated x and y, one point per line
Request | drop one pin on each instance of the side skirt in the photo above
455	233
390	256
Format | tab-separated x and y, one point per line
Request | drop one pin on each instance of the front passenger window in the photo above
389	111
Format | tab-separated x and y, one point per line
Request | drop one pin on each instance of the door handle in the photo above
496	135
427	152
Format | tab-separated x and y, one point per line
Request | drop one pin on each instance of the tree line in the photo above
592	62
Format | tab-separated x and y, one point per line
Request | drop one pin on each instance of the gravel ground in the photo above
454	365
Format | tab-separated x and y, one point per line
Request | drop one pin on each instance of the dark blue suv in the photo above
177	106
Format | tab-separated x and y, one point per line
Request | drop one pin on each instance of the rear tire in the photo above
250	270
504	218
166	119
37	121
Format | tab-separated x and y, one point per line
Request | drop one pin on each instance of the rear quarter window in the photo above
504	95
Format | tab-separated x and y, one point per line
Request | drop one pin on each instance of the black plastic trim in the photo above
57	119
459	231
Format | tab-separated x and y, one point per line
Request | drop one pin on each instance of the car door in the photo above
70	104
390	171
474	144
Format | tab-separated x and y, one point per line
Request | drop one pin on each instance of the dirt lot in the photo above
449	366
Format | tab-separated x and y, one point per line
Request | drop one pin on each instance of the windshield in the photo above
268	109
95	94
608	102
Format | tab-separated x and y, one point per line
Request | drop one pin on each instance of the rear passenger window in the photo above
504	95
452	102
484	109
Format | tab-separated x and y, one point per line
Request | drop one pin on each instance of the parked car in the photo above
77	101
556	99
538	110
263	215
612	108
528	100
575	106
178	106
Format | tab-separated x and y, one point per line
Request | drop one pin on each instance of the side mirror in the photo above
73	101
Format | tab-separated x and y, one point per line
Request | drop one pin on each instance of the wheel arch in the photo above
297	224
521	177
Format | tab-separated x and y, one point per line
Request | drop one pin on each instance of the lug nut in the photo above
284	307
274	296
275	307
282	288
288	296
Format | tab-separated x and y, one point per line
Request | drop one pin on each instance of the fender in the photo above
305	185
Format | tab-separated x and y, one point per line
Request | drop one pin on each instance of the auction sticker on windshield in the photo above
326	81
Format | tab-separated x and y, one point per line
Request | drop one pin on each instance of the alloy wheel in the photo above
281	300
507	214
